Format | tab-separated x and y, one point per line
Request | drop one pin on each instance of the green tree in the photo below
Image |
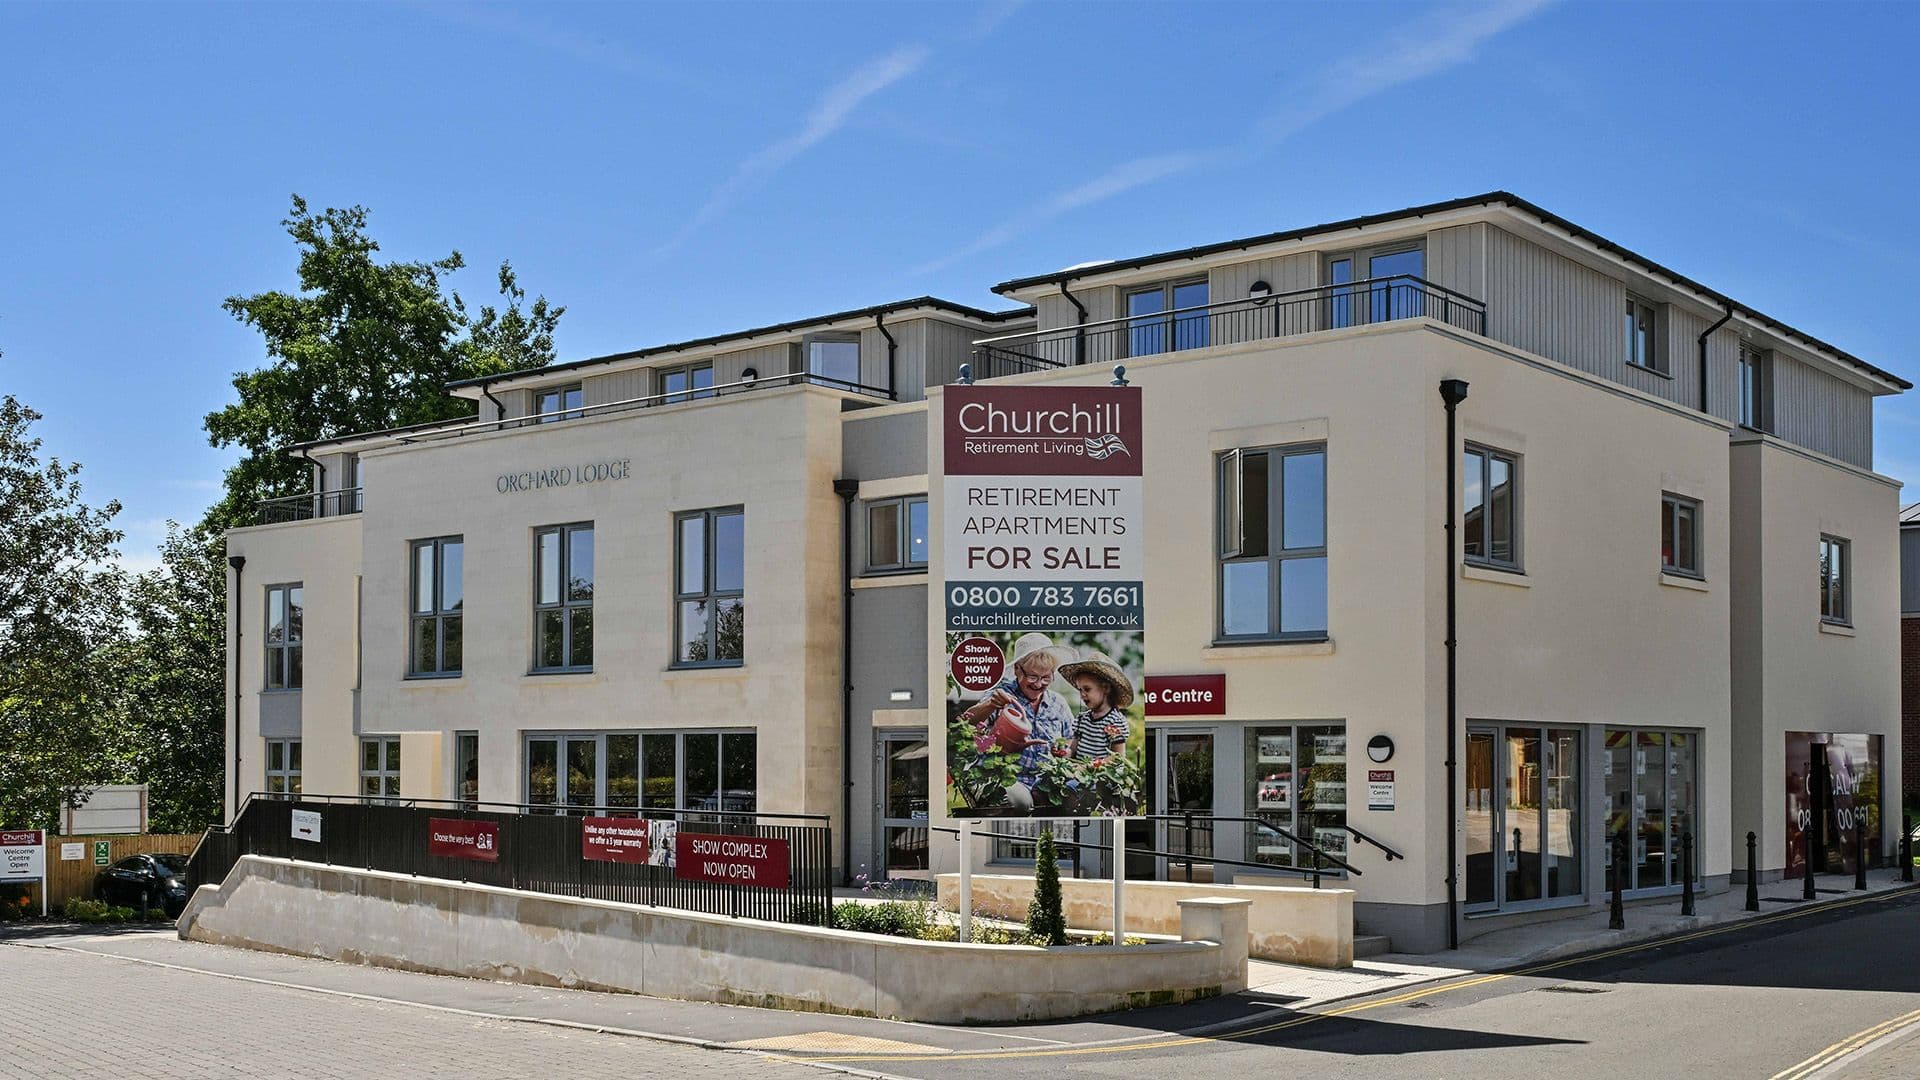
365	344
173	672
1046	920
60	610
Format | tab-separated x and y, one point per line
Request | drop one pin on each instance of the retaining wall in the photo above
447	927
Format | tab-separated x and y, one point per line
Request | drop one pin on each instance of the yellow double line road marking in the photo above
1364	1005
1847	1046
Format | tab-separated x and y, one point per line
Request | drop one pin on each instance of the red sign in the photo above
977	664
616	839
459	838
731	860
1186	695
1042	431
21	838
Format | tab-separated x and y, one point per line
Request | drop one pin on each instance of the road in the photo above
1830	993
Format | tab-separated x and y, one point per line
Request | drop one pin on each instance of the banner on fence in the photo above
760	861
461	838
305	825
627	840
1044	611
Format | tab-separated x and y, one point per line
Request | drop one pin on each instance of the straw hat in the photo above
1097	663
1028	644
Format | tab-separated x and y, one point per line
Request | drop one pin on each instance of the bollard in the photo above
1806	888
1859	854
1906	848
1753	873
1619	920
1686	868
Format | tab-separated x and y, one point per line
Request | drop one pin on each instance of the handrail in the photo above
1313	848
338	502
543	809
1365	839
1211	860
1148	318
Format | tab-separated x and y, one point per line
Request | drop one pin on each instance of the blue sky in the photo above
673	171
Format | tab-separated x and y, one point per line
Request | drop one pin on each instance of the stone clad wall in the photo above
450	928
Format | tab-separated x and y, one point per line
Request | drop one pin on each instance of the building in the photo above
1910	653
701	575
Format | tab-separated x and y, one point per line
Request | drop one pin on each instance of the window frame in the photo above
1516	564
670	396
1754	388
832	337
440	614
1228	549
1670	537
902	560
1175	331
1655	358
290	646
1350	303
289	769
602	785
708	592
565	604
387	767
563	410
1836	610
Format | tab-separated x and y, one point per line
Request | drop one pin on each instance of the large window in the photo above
563	598
1157	323
834	359
1489	508
1393	285
1652	781
286	614
1680	536
897	534
1836	588
1522	815
687	383
630	772
380	766
1639	340
709	577
1296	777
1755	377
433	629
1273	543
558	403
283	766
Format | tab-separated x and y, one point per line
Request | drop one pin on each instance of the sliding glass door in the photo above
1522	816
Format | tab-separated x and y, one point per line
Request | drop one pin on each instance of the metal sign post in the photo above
1119	881
966	879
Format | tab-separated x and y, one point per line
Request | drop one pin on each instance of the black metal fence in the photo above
1252	318
312	505
539	852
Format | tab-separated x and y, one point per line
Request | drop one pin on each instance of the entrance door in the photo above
1651	797
1521	812
1180	782
902	833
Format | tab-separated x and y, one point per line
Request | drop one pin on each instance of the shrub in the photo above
1046	921
80	909
16	902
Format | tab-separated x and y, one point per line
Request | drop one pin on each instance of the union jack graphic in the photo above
1105	446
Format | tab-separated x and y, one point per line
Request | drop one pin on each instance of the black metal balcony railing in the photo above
1253	318
317	504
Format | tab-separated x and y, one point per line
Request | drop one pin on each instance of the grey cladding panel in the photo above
280	715
1910	570
884	446
1821	412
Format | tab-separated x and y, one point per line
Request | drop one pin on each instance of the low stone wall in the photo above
1291	925
450	928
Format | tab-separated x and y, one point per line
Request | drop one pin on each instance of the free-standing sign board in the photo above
1041	541
462	838
23	855
732	860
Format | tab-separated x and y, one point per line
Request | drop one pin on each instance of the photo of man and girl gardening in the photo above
1060	733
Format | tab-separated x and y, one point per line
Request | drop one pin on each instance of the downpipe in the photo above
1704	335
1452	393
846	489
239	564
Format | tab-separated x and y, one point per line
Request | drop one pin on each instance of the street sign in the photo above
102	852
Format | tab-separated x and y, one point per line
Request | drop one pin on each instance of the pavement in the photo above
1725	993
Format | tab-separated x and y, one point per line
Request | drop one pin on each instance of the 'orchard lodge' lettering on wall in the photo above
592	472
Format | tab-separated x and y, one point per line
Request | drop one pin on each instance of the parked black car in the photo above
155	881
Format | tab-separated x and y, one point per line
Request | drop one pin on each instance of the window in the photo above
1150	329
631	772
283	766
1523	815
434	625
1652	784
897	533
687	383
563	598
709	586
1296	781
1638	340
559	403
1835	588
380	767
466	768
1273	543
286	614
834	358
1489	508
1392	290
1755	375
1680	536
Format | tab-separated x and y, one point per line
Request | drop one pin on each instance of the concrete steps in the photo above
1365	945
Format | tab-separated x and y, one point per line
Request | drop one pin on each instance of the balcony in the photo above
1253	318
306	507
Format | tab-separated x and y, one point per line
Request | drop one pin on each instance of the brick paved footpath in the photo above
68	1014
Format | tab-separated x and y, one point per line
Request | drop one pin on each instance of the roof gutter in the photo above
500	409
893	370
1704	335
319	489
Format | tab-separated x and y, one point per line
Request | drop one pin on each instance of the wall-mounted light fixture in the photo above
1260	292
747	376
1379	749
900	695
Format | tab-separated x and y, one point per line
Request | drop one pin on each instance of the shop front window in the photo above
630	772
1652	783
1522	816
1296	776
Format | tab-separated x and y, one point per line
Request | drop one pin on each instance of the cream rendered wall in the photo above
776	452
1792	672
322	554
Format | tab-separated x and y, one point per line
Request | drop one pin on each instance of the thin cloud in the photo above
827	117
1425	47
